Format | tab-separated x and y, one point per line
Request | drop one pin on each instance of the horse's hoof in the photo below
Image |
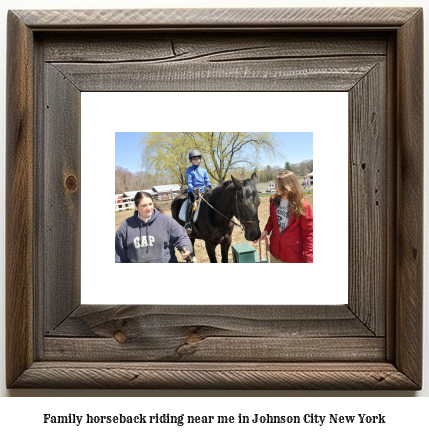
194	260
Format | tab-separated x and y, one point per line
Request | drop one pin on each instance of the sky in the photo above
295	146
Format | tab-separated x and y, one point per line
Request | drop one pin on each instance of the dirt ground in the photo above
237	234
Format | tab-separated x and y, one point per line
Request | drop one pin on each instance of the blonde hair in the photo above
288	184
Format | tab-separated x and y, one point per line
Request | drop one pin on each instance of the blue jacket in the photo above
197	177
152	241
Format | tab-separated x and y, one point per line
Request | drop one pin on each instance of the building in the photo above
164	192
161	192
131	194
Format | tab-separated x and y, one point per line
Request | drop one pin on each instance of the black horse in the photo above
237	198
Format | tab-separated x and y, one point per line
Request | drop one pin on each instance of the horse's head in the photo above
246	206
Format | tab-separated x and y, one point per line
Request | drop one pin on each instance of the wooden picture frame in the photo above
373	342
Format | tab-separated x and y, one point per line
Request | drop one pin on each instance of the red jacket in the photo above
295	244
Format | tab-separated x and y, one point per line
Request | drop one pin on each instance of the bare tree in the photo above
225	151
123	179
165	154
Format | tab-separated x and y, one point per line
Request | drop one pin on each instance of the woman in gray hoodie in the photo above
149	235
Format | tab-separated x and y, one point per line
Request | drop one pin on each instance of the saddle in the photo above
195	209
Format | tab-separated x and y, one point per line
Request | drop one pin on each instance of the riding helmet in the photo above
194	153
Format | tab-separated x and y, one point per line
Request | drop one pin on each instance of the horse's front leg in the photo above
192	255
224	248
211	247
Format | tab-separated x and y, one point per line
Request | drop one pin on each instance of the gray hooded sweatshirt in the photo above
150	241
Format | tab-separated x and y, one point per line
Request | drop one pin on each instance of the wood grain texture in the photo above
99	321
409	273
61	211
179	347
40	263
391	193
349	347
20	188
215	376
208	18
330	74
200	47
368	219
213	333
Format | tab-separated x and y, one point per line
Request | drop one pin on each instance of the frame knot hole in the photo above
120	337
193	338
71	183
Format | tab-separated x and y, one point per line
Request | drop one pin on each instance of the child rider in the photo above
196	177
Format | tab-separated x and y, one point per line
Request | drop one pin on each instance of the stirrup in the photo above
188	229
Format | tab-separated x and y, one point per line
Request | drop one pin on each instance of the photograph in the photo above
214	197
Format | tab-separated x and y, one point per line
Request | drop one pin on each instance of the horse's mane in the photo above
224	184
217	192
221	186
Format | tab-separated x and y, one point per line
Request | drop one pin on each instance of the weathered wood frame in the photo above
374	342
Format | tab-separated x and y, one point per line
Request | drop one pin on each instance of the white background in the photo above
323	113
408	414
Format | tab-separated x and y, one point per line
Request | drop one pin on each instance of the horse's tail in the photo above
176	204
175	208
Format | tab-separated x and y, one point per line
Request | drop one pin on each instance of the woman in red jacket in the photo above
290	222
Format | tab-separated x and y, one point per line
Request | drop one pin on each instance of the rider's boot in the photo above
188	225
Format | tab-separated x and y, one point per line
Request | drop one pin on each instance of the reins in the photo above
233	222
242	226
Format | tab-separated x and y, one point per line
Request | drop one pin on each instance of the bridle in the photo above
239	213
242	226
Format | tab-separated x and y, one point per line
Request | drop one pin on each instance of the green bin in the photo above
245	253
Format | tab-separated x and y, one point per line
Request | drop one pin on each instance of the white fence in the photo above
268	188
308	187
128	203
